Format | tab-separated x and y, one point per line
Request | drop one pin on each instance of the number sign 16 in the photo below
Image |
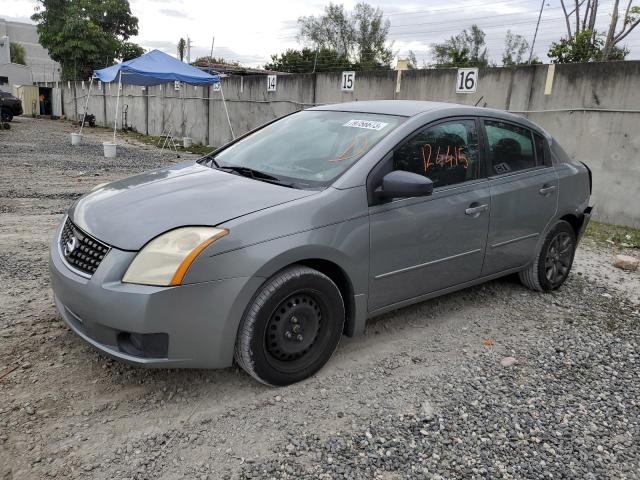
271	83
348	80
467	80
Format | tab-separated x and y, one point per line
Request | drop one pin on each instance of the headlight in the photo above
164	261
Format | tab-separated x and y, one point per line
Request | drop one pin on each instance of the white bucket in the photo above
187	142
109	149
76	138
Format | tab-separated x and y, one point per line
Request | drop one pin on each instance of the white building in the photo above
40	67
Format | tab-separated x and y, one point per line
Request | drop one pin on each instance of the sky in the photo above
250	31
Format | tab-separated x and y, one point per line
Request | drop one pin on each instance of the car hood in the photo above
128	213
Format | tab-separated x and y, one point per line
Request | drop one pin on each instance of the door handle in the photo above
476	210
546	189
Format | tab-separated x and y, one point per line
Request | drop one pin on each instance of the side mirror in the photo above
402	184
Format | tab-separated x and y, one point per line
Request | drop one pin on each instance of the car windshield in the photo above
310	148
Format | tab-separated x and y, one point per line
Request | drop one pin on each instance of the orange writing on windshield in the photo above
352	150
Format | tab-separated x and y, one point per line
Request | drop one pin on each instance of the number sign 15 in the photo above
271	83
467	80
348	81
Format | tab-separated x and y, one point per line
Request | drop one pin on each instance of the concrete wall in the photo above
16	75
592	109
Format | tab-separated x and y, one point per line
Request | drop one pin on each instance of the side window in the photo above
510	147
446	153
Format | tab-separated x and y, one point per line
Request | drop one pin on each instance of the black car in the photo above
10	106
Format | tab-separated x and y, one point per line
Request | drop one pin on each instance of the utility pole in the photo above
188	50
533	43
213	39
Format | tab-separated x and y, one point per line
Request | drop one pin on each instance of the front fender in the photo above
345	244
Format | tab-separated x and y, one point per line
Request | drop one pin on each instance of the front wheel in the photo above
6	115
292	327
553	261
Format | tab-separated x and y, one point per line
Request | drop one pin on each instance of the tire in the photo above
553	260
6	115
291	328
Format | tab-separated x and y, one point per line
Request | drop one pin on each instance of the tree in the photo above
359	36
585	46
206	60
182	49
630	20
84	35
17	53
129	51
308	60
467	49
371	33
582	18
413	62
515	50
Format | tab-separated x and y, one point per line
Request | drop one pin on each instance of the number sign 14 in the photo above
271	83
348	81
467	80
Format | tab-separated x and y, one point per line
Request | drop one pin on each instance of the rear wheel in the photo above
553	261
6	115
292	327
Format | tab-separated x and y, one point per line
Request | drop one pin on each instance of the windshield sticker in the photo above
368	124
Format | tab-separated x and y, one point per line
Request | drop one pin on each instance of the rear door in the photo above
524	193
423	244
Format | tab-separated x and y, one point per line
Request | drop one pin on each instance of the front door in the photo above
524	194
424	244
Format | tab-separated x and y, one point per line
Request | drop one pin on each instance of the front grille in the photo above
81	251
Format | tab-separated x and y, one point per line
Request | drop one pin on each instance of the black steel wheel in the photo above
553	260
6	115
292	327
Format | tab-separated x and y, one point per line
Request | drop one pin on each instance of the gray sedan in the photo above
269	249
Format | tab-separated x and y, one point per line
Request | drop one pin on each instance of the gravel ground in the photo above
491	382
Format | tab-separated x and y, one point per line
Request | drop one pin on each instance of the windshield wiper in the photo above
256	175
248	172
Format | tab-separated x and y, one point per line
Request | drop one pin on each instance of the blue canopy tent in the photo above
152	68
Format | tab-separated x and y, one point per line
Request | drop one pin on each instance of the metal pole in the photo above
233	137
533	43
86	105
213	40
115	122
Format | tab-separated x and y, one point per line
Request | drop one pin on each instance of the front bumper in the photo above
200	320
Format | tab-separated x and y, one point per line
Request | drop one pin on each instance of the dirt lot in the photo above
423	394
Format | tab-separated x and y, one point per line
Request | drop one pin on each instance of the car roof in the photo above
410	108
406	108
